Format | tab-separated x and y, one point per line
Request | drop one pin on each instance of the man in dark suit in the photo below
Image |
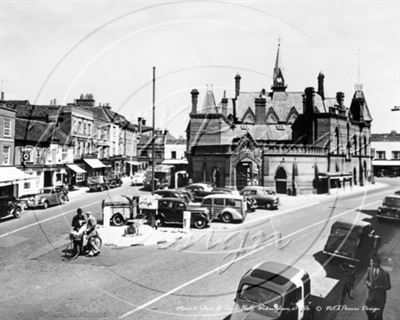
378	282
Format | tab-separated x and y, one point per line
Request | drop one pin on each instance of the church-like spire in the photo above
278	79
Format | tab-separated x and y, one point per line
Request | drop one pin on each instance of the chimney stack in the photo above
237	85
321	91
261	105
224	104
195	96
309	101
340	99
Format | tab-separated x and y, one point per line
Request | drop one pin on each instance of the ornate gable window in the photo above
292	116
248	117
271	116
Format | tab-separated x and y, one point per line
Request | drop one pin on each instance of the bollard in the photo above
186	220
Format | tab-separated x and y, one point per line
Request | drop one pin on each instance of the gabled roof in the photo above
281	102
14	103
39	132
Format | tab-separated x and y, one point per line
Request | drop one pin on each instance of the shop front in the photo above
76	175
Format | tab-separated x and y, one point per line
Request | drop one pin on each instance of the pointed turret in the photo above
278	79
209	105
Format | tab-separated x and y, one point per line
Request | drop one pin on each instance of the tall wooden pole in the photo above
153	135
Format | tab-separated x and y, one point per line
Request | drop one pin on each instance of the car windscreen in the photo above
260	295
392	202
46	191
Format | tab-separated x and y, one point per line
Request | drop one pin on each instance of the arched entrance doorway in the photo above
244	173
281	180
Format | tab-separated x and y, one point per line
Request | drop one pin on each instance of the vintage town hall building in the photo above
295	142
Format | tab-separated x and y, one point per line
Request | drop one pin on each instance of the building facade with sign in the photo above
43	151
294	142
386	147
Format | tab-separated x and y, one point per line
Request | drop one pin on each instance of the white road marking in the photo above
44	220
235	260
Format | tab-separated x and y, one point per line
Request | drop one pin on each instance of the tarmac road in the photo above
188	280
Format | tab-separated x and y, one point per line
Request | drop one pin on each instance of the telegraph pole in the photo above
153	136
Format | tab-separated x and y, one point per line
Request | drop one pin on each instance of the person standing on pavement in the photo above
378	282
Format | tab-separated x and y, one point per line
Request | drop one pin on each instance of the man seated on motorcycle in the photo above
91	232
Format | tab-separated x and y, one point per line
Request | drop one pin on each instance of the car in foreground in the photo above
273	290
46	197
264	197
352	241
390	208
11	206
170	211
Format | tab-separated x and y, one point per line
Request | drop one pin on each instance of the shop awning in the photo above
175	161
95	163
76	168
134	163
10	175
386	163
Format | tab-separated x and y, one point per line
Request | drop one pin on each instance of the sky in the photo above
61	49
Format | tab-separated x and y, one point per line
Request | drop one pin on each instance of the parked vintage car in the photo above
174	193
265	197
170	211
352	241
10	206
226	207
201	190
273	290
390	208
137	179
46	197
113	180
97	183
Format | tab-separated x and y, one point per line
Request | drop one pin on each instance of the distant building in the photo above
386	149
175	148
294	142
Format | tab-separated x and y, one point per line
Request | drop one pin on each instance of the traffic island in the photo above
145	236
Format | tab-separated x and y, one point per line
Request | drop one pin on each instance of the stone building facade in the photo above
294	142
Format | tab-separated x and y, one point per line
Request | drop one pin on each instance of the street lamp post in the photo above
153	135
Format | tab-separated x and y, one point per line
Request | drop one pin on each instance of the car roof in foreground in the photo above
275	275
394	196
351	223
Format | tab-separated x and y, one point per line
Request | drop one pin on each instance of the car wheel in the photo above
17	212
62	200
45	205
200	223
226	217
117	220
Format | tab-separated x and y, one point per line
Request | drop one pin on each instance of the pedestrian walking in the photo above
378	282
348	271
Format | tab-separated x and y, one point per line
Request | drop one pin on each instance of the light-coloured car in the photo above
225	207
137	179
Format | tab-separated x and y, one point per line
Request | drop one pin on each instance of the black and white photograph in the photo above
200	159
